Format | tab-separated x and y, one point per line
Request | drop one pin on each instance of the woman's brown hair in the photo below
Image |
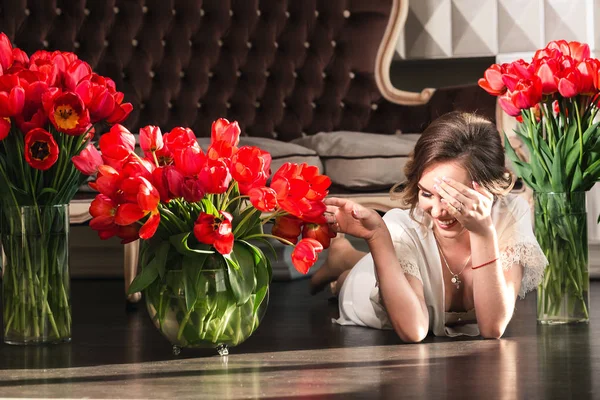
466	138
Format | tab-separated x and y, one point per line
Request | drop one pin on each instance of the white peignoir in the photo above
359	300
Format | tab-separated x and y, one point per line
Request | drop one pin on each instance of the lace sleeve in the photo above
531	258
411	269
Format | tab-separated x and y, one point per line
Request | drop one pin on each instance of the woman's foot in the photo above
337	262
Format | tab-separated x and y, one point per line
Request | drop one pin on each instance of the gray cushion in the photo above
362	161
281	152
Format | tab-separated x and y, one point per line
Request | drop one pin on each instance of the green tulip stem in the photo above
243	221
579	132
266	235
234	199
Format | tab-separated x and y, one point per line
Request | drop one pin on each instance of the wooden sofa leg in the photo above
130	263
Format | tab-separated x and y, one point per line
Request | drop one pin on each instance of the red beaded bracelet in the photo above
487	263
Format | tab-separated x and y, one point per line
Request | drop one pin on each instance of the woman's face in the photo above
445	225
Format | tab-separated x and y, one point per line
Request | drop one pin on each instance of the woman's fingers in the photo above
454	210
335	201
480	189
448	198
457	190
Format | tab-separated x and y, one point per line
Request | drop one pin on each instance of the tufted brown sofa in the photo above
284	69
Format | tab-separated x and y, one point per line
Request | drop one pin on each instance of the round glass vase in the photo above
35	274
561	230
214	319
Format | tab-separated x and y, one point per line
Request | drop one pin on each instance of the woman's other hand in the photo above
346	216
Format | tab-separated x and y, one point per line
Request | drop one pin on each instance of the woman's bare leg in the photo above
341	257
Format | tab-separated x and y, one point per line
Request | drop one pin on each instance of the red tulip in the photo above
168	181
221	150
300	190
569	84
190	161
108	182
48	66
41	150
68	113
588	70
263	198
226	131
33	114
492	81
579	51
118	143
148	200
136	166
128	233
75	72
12	96
250	167
304	255
215	177
560	45
6	53
88	161
215	231
179	139
287	227
320	232
192	190
519	68
527	93
547	53
20	60
4	128
547	70
103	210
507	105
121	111
102	99
151	139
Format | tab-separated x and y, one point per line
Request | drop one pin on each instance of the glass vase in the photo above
561	230
211	318
35	274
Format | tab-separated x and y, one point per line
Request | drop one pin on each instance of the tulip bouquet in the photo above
555	99
198	213
49	103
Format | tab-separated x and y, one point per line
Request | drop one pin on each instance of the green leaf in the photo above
260	296
209	207
261	265
180	242
240	268
577	180
557	177
250	218
151	271
192	269
572	158
592	170
48	190
589	132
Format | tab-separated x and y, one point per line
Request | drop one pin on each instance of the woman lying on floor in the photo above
455	260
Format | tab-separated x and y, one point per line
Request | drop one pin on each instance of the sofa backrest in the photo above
282	68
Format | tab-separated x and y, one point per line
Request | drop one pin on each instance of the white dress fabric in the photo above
414	242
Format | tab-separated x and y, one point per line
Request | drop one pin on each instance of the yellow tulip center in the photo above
66	117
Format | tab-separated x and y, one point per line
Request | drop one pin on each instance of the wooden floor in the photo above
298	353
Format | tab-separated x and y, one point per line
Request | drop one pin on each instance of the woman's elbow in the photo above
492	332
415	335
